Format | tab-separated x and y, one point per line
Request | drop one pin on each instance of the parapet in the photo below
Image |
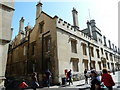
64	24
71	29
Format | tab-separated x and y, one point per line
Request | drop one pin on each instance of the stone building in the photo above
6	12
56	45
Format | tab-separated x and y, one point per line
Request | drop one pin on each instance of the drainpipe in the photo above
28	52
89	55
43	52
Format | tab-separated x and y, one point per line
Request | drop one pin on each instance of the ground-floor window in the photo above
104	65
75	62
108	65
93	64
85	63
99	63
75	66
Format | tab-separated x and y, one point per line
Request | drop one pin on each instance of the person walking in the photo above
107	79
95	83
48	76
86	77
113	70
35	83
69	74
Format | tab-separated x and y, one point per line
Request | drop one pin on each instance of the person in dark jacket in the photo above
48	76
35	83
113	70
95	83
86	77
107	79
69	74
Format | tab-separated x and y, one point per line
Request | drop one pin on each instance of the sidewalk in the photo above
80	85
76	84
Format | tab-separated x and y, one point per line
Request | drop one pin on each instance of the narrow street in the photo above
79	85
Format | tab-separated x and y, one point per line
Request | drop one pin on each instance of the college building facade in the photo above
6	13
56	45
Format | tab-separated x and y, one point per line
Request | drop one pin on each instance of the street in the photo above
79	85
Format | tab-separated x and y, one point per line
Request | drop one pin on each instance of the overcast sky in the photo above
104	12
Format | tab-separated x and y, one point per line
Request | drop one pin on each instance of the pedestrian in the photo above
113	71
35	83
23	85
48	76
108	71
107	79
90	74
69	74
95	83
86	77
66	71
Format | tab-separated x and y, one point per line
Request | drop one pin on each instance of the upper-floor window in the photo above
115	57
91	51
84	49
47	43
111	58
41	27
106	55
74	46
75	62
25	50
102	51
108	65
33	48
98	55
75	66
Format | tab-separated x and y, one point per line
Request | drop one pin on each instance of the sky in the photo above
104	12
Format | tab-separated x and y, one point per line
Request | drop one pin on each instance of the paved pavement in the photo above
80	85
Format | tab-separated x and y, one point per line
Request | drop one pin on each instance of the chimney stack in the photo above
88	26
113	46
104	41
38	9
92	22
75	18
109	44
118	51
93	27
21	25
